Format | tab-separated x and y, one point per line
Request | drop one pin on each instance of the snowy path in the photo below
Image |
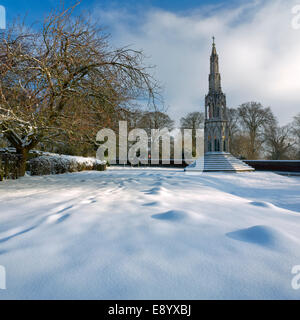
144	233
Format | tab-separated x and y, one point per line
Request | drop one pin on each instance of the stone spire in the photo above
216	133
214	76
216	126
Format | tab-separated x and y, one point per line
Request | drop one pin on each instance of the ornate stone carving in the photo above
216	125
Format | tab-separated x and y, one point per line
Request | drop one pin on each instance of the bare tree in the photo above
296	126
278	141
155	120
65	80
194	121
296	134
239	145
254	118
234	129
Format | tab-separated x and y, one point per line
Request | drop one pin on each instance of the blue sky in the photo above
35	10
258	47
41	7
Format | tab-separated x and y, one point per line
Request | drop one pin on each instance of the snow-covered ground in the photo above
146	233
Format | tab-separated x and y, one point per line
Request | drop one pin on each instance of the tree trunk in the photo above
22	150
22	162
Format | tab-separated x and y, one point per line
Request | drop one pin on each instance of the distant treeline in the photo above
254	133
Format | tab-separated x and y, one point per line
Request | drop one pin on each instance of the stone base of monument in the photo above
218	161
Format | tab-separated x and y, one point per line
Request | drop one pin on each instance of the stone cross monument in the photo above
216	124
216	133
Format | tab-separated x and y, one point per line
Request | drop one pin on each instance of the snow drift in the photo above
150	234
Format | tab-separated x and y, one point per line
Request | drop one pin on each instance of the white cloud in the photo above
258	48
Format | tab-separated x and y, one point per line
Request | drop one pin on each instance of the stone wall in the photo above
9	165
275	165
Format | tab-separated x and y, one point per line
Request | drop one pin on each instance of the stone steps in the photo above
218	161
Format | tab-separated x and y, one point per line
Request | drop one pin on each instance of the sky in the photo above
257	42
